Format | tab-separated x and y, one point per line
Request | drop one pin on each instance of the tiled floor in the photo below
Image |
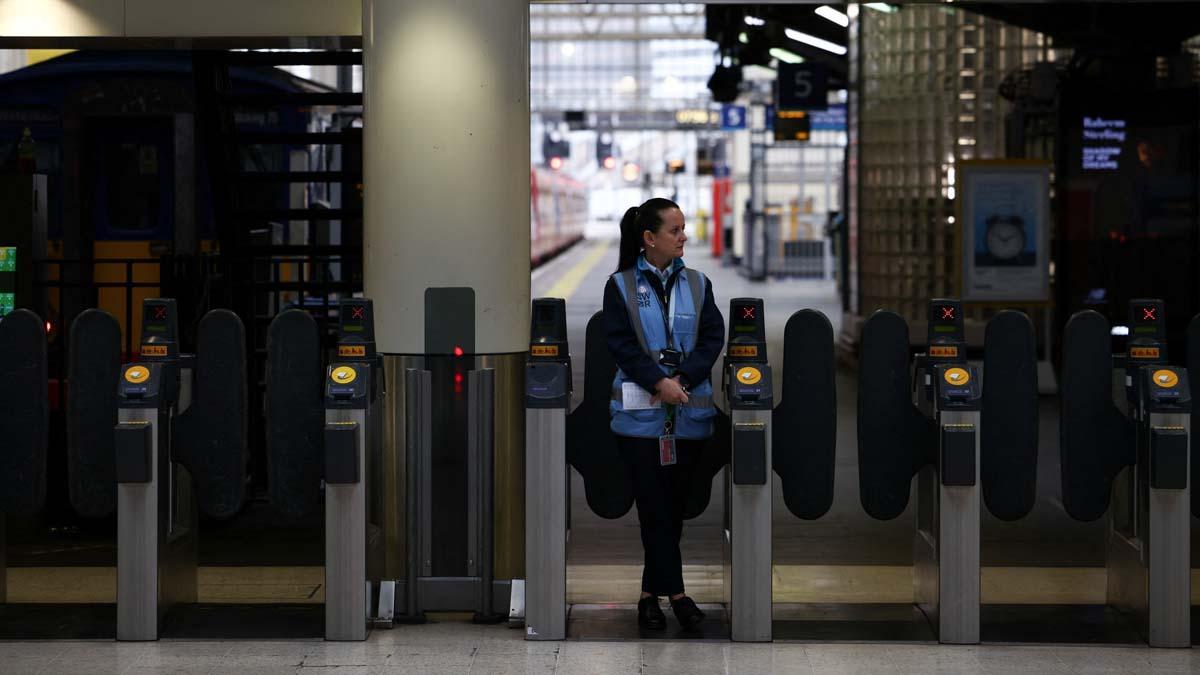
455	647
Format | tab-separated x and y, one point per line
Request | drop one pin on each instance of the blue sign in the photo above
733	117
833	119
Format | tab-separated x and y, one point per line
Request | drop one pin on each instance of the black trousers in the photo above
661	495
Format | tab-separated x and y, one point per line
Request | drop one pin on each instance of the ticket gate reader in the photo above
1126	441
353	432
547	401
747	536
946	542
156	516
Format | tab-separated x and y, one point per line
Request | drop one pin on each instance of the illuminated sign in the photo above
1144	352
943	351
154	350
697	117
8	259
543	350
1103	139
352	350
743	350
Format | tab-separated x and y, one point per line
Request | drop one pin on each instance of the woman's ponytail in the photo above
631	240
639	219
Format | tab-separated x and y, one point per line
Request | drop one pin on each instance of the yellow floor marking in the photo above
566	286
599	584
232	585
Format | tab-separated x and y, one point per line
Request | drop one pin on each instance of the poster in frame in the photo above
1003	226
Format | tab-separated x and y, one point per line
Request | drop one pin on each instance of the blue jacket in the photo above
700	335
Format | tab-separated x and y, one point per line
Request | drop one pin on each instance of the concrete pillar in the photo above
446	204
446	163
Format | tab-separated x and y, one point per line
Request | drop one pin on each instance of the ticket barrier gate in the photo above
936	426
1126	437
180	449
547	402
585	442
328	429
747	535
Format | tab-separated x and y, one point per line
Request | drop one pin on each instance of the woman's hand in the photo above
668	390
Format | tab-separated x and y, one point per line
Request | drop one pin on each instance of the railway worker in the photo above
665	333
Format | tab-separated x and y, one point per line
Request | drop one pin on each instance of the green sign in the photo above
8	259
8	302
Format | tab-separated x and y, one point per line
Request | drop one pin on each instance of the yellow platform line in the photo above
226	585
857	584
566	286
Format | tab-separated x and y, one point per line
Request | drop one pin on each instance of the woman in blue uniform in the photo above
665	333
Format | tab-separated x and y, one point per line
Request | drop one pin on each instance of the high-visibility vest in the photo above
693	420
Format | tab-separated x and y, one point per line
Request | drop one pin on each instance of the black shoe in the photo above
686	611
650	615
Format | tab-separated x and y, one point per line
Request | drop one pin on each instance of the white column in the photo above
446	165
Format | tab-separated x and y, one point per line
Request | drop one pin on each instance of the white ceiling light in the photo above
567	49
814	41
881	7
827	12
786	56
754	21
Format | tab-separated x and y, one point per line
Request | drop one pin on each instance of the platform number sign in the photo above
803	86
733	117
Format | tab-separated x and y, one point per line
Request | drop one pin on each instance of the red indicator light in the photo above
160	312
1148	314
358	312
748	313
947	313
458	351
49	327
458	378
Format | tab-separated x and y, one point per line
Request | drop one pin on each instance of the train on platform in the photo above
558	213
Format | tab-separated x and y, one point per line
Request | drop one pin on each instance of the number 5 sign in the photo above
803	86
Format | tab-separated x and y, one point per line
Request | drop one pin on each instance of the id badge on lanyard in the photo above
666	442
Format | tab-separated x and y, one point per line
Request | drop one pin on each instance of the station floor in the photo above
452	647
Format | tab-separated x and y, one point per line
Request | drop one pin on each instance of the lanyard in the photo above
664	306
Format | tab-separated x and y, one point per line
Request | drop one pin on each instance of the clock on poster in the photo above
1003	220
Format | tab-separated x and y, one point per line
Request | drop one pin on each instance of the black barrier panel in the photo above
1096	439
591	446
295	413
24	413
805	422
93	369
894	439
1193	366
211	434
1008	442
